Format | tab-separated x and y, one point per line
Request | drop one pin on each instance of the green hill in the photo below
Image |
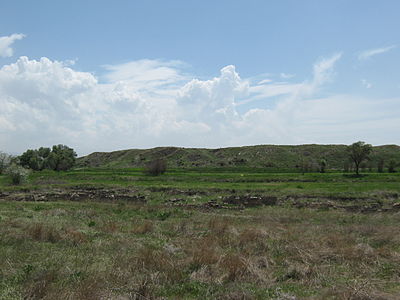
261	156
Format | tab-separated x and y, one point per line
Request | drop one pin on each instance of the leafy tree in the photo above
359	152
5	161
59	158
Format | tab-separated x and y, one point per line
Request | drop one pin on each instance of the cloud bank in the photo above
149	103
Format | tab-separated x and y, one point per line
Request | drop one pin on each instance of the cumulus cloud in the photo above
150	103
364	55
6	43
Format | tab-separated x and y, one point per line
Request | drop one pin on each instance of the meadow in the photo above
198	234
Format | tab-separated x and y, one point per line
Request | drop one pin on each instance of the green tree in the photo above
359	152
61	158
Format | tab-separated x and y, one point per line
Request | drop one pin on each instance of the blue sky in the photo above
102	75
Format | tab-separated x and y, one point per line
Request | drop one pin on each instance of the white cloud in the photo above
6	43
146	72
322	73
372	52
152	103
323	70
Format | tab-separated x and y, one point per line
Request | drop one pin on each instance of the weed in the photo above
44	233
145	227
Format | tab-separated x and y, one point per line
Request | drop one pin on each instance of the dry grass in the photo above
44	233
255	254
144	227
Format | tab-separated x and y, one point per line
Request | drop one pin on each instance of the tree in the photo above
59	158
359	152
5	161
322	165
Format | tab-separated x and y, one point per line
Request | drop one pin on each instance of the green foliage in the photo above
271	158
358	152
59	158
5	161
17	174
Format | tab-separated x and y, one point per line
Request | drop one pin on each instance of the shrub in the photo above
5	161
156	167
17	174
322	165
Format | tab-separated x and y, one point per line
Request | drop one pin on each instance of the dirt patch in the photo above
75	194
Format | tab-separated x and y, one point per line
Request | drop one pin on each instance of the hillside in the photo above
265	156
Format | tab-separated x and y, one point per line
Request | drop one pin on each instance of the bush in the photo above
17	174
5	161
156	167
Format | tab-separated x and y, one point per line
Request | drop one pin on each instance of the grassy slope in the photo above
270	156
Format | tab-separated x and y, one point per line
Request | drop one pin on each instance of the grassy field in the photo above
118	234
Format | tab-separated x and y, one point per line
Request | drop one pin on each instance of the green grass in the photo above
125	249
271	157
275	183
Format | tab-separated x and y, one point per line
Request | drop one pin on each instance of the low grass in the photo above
80	250
111	248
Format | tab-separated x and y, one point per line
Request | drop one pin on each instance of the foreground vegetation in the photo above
79	250
126	235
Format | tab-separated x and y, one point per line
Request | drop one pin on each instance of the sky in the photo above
101	75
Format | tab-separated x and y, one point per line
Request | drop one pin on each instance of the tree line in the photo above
58	158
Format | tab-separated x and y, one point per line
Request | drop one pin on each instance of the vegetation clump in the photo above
359	152
17	174
5	161
156	167
59	158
